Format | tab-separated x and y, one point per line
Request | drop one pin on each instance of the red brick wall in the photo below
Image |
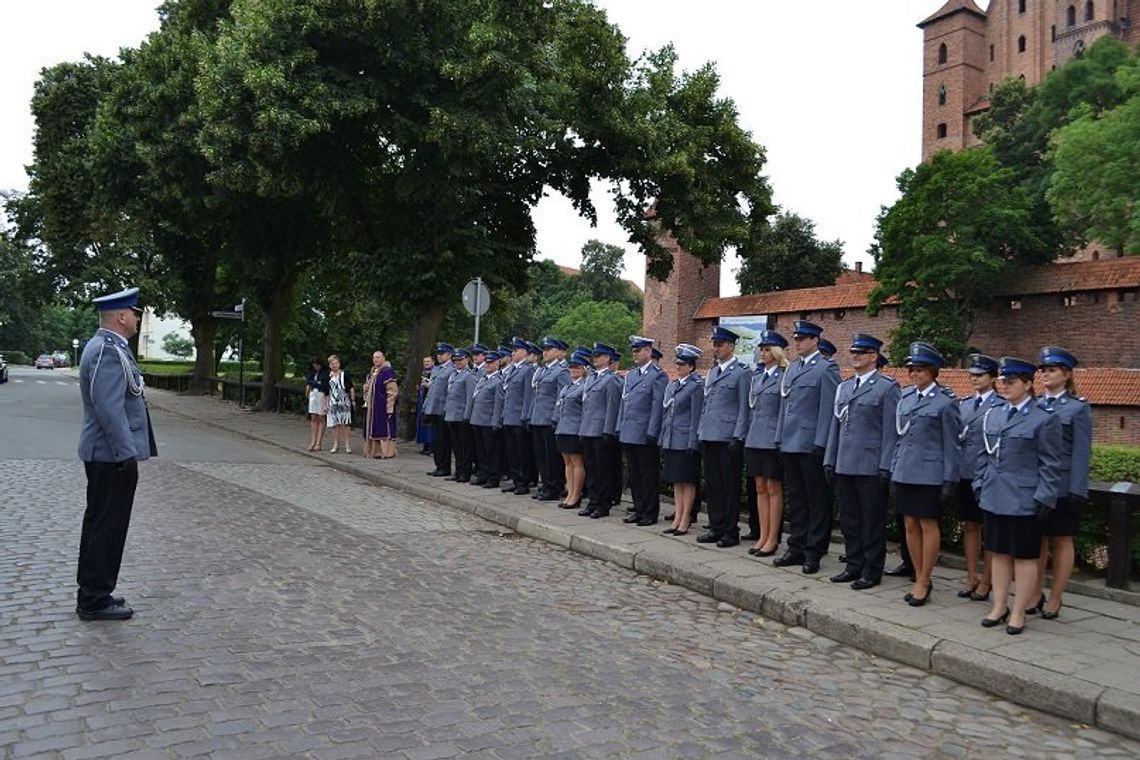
669	306
1116	424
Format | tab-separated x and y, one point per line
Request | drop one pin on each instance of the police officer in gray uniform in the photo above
116	436
516	388
808	391
434	405
485	410
722	430
547	381
460	385
860	445
600	400
639	425
983	371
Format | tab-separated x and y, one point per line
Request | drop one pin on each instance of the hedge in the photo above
15	357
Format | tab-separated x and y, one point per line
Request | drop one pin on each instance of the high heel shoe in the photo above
988	622
669	531
966	593
1036	608
568	505
1014	630
914	601
333	450
976	597
1047	615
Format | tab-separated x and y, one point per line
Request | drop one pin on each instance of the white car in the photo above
44	361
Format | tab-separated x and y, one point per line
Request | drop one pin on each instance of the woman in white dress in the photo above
342	397
317	394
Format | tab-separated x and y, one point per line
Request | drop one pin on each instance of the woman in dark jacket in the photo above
683	402
317	398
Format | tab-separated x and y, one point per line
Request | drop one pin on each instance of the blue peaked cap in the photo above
550	342
865	342
124	299
1011	366
924	354
803	327
980	364
444	348
772	338
826	347
1055	355
723	335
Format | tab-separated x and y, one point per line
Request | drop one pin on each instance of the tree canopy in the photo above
788	255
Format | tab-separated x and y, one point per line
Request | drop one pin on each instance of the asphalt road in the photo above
284	609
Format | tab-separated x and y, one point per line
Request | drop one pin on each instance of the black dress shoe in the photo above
507	488
463	480
478	481
750	536
438	473
844	577
966	593
110	612
1048	615
646	521
915	601
988	622
522	491
536	494
669	531
763	553
586	512
902	571
630	519
1014	630
863	584
491	484
575	505
727	541
811	566
708	538
599	513
1036	608
548	497
787	559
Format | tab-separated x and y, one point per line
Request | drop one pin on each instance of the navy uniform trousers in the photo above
110	495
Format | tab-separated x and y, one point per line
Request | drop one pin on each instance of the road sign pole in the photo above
241	357
478	282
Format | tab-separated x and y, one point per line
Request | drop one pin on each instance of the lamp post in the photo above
75	352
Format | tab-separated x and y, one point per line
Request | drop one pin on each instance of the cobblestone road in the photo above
291	610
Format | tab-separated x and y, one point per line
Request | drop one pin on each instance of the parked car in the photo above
61	359
3	370
44	361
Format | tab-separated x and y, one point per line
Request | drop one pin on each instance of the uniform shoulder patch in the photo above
947	392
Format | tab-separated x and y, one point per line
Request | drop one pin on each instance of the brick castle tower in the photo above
667	316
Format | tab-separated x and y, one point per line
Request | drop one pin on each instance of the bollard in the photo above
1120	505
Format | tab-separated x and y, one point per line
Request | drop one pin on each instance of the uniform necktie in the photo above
1049	402
858	382
977	403
1011	414
716	372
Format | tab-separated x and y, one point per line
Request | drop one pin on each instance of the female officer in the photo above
683	402
567	422
924	470
1061	400
761	455
983	371
1016	485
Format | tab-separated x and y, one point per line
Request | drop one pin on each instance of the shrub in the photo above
1115	463
15	357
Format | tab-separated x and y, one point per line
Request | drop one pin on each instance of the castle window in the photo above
943	54
805	315
1069	300
1015	304
1021	44
1096	256
1021	6
991	53
942	95
1129	295
840	314
1071	16
1090	10
1053	33
1021	77
772	321
942	130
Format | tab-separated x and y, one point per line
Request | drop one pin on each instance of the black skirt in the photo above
763	463
1019	537
682	466
1063	521
568	444
924	502
968	509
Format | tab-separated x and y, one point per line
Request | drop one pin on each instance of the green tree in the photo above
177	344
788	255
602	265
945	245
606	322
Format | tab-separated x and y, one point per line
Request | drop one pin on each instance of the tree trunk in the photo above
204	330
272	361
421	336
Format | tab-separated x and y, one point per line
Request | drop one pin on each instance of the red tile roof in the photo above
1102	386
1080	276
950	8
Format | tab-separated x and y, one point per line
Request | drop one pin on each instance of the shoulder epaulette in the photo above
909	390
947	392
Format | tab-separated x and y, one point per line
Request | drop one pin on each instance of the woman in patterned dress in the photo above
342	397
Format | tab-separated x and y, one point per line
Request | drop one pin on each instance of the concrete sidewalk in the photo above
1084	666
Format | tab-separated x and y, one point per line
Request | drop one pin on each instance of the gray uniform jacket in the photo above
1076	442
516	384
600	400
1020	460
639	413
547	382
970	436
861	437
927	449
724	416
437	388
460	385
809	398
485	408
764	408
528	391
116	424
567	418
682	403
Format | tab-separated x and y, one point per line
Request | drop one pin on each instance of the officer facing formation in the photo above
808	391
860	446
723	428
639	425
115	437
434	404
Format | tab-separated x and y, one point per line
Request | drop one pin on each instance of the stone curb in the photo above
783	600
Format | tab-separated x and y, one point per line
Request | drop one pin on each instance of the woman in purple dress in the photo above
380	391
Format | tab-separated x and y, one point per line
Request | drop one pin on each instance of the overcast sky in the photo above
832	89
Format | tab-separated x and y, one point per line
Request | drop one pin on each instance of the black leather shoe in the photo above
478	481
811	566
536	494
1014	630
630	519
463	480
727	541
988	622
646	521
902	571
548	497
522	491
787	559
708	538
1035	608
438	473
598	514
491	484
585	512
863	584
110	612
507	488
763	553
844	577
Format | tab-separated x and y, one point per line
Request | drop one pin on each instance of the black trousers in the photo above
643	462
488	451
529	458
603	460
440	443
463	446
808	505
515	442
863	518
723	464
616	473
110	496
550	465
